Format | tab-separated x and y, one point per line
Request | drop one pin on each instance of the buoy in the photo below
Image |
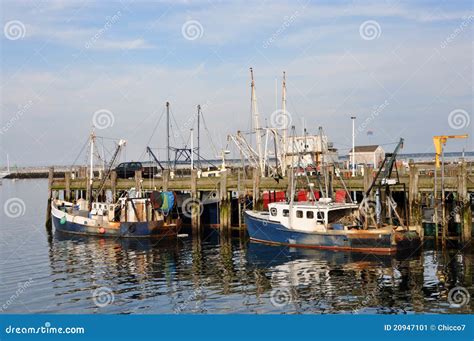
101	230
63	220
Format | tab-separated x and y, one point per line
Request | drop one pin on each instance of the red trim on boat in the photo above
342	248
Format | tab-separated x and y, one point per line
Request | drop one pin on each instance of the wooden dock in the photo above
417	180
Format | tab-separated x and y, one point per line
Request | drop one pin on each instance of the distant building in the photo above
370	155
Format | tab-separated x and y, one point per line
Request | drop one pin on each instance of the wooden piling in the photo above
67	184
257	201
367	177
166	179
196	207
414	199
113	184
464	204
50	196
224	203
138	180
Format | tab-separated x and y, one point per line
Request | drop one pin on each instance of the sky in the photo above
402	68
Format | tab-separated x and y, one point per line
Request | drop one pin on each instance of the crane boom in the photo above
148	149
440	141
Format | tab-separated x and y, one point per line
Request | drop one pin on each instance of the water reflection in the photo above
213	273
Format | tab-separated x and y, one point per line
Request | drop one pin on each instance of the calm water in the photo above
42	273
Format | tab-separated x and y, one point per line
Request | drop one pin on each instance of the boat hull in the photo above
67	223
265	231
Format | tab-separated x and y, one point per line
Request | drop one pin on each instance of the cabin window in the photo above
286	213
320	215
299	214
273	211
309	214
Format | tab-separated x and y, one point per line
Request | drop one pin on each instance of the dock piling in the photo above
50	196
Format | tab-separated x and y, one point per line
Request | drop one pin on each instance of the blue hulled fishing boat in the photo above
323	225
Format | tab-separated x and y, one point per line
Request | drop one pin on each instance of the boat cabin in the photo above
311	217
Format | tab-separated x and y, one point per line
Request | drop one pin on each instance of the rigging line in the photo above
209	135
338	173
80	152
177	125
153	132
108	138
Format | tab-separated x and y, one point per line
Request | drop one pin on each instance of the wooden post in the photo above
67	185
113	185
50	196
413	197
367	177
138	180
239	198
224	203
166	179
196	208
464	205
257	202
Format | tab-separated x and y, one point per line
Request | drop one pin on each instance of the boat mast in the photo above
323	162
285	122
168	133
199	135
91	170
292	189
192	149
256	118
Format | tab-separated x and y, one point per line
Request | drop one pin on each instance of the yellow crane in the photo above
440	141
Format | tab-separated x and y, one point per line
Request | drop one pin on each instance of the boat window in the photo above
320	215
299	214
336	215
273	211
309	214
286	213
